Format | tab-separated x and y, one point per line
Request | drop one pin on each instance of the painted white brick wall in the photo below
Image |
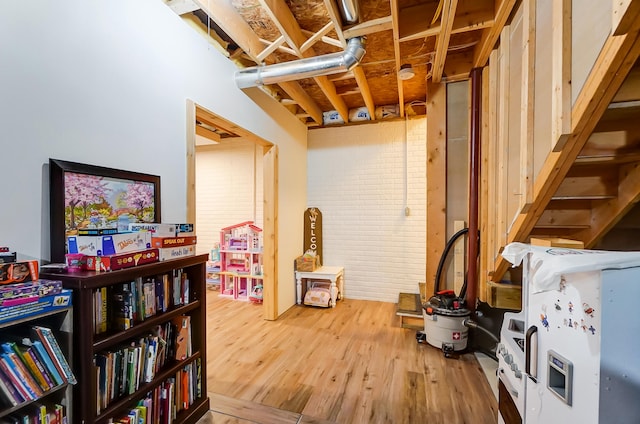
228	188
362	178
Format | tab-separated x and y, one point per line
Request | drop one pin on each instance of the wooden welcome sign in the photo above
313	231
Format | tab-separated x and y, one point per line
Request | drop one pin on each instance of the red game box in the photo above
166	242
123	260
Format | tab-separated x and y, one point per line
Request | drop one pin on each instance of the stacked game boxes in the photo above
173	241
23	294
143	243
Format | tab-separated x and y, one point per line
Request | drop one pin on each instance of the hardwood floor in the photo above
350	364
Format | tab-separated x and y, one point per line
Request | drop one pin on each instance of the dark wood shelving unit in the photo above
60	322
87	344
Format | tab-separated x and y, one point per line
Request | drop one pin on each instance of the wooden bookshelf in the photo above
59	321
88	344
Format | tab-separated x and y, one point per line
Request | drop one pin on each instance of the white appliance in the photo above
580	362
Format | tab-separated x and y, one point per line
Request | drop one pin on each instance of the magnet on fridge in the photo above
571	307
562	287
588	309
593	330
545	322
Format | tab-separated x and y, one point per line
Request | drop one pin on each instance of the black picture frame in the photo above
61	171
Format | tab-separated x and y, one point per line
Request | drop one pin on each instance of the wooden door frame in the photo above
270	195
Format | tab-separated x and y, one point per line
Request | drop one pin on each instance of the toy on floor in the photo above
318	294
256	294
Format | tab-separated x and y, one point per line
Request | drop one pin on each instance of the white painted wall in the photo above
228	188
106	83
362	178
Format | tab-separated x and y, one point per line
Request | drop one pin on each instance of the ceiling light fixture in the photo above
406	72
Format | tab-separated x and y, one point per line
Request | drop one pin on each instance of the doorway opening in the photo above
207	126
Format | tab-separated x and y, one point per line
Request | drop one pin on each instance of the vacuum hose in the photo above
443	258
472	324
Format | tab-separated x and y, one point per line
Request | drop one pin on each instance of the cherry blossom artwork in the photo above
95	201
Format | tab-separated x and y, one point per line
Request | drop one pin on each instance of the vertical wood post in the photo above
474	172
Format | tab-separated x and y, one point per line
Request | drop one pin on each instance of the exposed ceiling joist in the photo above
225	16
369	27
490	35
443	38
395	12
288	26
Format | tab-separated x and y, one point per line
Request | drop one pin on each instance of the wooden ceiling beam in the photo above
226	17
361	79
415	21
395	11
490	35
369	27
325	39
285	21
334	15
270	49
282	17
281	47
316	37
443	38
297	93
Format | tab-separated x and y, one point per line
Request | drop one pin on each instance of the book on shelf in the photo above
8	392
100	302
14	380
42	354
18	376
55	353
25	355
149	298
39	413
183	337
121	307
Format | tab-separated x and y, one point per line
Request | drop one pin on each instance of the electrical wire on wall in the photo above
407	210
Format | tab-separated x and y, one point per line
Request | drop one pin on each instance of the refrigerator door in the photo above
567	355
620	358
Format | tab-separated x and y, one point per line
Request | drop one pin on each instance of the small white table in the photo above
334	274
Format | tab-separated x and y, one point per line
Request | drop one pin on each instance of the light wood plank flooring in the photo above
351	364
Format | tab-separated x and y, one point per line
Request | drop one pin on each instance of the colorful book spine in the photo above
8	391
40	366
18	377
11	349
51	344
44	357
23	354
14	379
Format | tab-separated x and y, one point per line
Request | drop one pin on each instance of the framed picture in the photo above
88	199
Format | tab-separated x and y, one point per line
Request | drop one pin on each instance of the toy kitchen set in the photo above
572	355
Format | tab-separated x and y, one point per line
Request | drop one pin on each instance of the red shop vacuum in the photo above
445	313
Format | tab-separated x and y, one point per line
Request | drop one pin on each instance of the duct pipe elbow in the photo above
354	53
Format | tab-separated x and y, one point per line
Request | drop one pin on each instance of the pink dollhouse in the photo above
240	260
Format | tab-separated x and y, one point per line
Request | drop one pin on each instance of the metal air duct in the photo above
333	63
